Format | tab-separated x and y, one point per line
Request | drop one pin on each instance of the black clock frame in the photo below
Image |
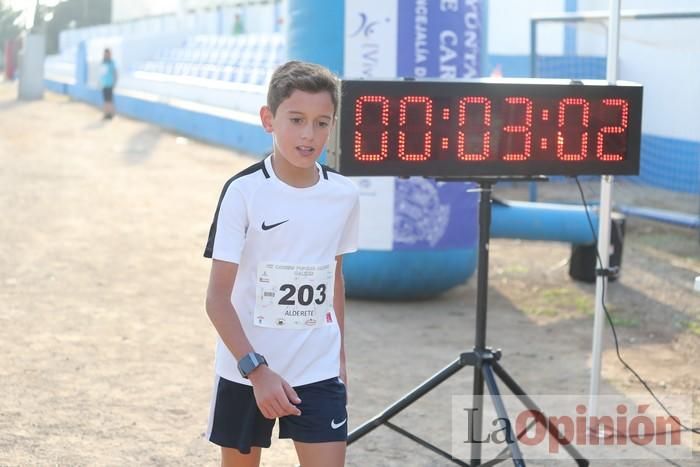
341	149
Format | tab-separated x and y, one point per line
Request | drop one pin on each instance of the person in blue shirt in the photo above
108	79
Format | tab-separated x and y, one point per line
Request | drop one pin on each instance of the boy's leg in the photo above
321	454
233	458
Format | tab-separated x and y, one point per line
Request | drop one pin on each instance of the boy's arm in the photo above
220	310
339	308
272	393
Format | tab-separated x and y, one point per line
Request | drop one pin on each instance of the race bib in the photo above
294	296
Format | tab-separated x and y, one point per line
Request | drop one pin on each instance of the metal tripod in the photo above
486	367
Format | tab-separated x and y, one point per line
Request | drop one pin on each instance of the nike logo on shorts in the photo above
335	426
272	226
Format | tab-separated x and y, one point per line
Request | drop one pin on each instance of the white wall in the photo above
591	37
663	55
509	27
123	10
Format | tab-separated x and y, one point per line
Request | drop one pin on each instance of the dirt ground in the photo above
107	352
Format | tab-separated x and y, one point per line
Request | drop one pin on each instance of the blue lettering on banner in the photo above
472	39
433	215
365	32
439	39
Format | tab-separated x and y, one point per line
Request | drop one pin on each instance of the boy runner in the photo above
276	295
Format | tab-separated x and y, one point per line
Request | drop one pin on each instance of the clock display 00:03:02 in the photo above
565	129
573	125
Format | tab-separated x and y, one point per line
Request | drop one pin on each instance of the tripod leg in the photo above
530	404
406	400
503	415
478	404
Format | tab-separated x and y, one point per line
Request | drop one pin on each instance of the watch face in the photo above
246	365
250	362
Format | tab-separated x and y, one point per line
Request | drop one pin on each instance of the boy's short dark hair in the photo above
295	75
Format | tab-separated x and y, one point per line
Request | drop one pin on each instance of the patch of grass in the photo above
556	294
540	311
568	299
617	315
624	322
556	302
583	304
516	269
693	326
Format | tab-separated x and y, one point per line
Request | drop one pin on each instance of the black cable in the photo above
695	430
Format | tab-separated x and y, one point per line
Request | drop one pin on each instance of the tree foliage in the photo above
76	14
8	28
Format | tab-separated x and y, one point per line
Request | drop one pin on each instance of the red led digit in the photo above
525	129
361	105
427	135
585	116
486	123
614	129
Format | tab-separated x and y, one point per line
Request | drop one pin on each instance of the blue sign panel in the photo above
439	38
433	215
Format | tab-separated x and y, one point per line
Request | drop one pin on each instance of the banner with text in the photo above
421	39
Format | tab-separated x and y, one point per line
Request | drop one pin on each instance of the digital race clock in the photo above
487	128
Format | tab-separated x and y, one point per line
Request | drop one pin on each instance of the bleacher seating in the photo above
221	71
245	59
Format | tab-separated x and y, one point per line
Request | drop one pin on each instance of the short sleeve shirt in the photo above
108	74
260	220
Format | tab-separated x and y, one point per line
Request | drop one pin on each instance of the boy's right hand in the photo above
273	394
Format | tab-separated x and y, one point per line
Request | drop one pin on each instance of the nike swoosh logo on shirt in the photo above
335	426
272	226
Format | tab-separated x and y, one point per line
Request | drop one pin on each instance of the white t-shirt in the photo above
264	225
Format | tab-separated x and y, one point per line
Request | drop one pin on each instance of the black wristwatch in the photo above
250	362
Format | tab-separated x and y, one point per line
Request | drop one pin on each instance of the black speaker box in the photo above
583	261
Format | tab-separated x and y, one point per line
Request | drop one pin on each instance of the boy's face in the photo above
300	127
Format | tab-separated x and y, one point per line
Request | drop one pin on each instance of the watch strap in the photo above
250	362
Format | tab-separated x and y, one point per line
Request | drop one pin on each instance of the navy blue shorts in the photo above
236	422
108	94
